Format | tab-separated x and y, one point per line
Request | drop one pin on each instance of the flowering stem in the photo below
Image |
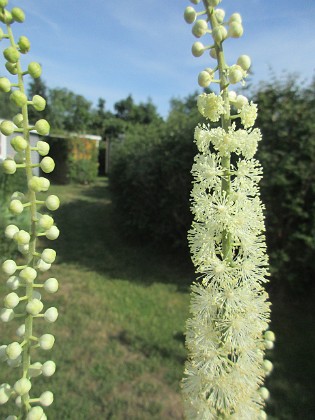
225	124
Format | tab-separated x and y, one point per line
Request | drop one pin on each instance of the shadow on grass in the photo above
91	237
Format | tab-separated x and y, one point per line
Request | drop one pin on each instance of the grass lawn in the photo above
119	338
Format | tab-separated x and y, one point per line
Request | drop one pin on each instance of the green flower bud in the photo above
11	67
3	3
9	267
220	15
204	79
6	315
200	28
42	127
244	61
18	120
48	255
10	231
14	350
24	44
47	164
264	393
7	128
197	49
42	148
16	207
52	233
22	237
18	98
219	34
22	386
39	102
241	101
235	30
34	69
46	221
5	393
34	307
9	166
38	184
6	16
11	300
235	17
269	345
18	14
35	413
5	84
11	54
51	314
49	368
42	266
46	398
270	335
18	143
45	183
28	274
190	14
20	332
236	74
52	202
13	283
267	366
17	195
35	369
51	285
46	342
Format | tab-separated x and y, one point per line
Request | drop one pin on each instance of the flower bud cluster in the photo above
220	31
23	301
227	334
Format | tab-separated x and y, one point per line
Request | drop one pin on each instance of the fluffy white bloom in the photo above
229	307
210	106
248	114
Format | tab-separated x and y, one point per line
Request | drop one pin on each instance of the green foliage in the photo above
150	175
287	153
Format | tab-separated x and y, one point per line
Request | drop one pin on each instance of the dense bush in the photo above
150	175
287	153
151	180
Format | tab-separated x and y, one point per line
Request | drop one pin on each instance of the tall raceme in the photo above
227	333
24	302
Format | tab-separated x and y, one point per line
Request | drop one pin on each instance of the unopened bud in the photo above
204	79
22	386
219	34
39	103
11	300
34	307
51	285
244	61
47	164
34	69
18	14
9	267
7	128
200	28
9	166
52	202
46	341
42	147
190	14
16	207
197	49
42	127
18	143
235	30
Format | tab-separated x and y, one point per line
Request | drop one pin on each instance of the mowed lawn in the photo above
119	337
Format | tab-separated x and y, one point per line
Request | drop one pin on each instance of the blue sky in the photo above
109	49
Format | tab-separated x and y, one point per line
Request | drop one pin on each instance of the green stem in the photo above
26	354
225	123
